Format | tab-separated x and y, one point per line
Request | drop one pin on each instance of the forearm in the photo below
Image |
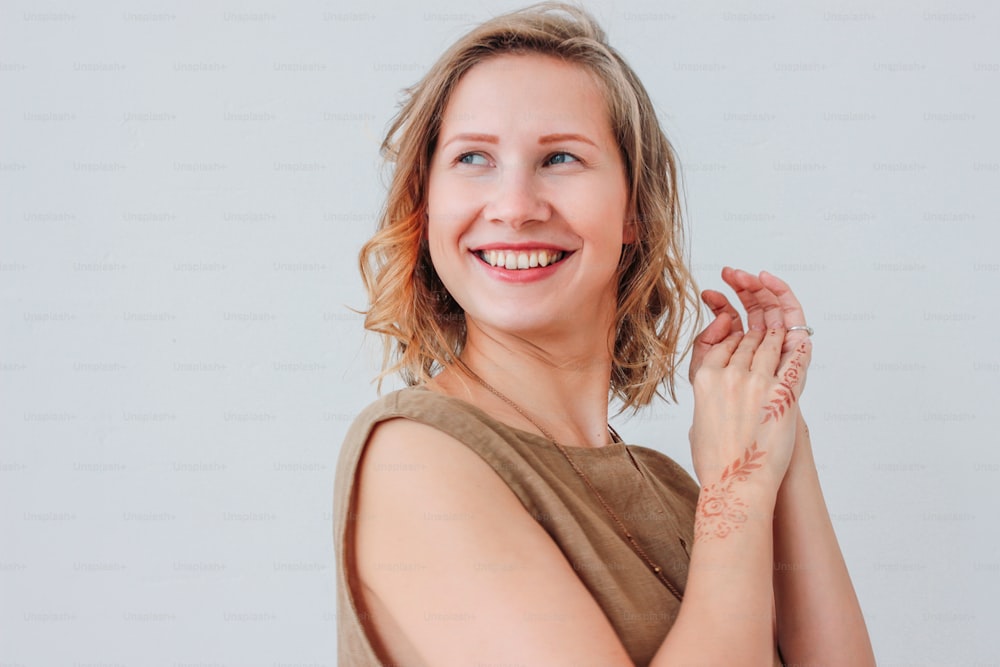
726	616
818	615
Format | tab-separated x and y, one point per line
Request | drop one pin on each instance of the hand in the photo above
747	385
768	300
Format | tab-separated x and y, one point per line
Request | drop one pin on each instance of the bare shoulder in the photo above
402	449
455	570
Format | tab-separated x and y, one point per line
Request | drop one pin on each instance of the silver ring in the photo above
801	327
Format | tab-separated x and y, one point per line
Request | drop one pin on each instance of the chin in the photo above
524	323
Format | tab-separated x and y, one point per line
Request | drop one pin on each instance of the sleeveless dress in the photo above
652	494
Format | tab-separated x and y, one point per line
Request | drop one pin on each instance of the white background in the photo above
183	193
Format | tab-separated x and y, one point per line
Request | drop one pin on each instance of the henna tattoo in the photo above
785	393
720	510
790	377
784	397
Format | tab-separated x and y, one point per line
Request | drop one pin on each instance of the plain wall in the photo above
183	192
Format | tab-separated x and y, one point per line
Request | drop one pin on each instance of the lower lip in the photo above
520	275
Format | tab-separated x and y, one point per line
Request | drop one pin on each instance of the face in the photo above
527	197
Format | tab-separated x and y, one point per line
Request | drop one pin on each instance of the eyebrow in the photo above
556	138
494	139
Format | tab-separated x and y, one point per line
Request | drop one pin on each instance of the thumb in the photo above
714	333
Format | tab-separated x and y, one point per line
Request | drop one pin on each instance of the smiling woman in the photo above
424	328
526	270
528	166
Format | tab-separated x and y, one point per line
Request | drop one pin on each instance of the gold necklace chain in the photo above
657	570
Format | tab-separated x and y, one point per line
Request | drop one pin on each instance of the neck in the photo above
561	388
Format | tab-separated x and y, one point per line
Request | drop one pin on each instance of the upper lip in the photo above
523	245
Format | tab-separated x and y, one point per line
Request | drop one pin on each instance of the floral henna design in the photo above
783	400
720	511
785	394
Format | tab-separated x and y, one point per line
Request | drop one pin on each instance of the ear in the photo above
628	232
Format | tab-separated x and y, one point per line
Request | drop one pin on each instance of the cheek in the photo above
608	223
434	219
433	237
441	244
437	195
440	229
443	201
603	203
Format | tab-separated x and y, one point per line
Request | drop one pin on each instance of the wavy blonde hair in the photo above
423	328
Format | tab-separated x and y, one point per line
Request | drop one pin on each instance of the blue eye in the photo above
562	158
468	158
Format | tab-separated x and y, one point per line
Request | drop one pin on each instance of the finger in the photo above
715	332
718	303
792	372
721	353
792	378
763	307
710	336
744	353
768	354
790	306
755	315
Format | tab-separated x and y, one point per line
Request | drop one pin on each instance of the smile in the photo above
520	259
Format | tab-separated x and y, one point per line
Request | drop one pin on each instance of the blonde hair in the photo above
423	327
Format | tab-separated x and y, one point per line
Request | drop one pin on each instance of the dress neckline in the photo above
537	439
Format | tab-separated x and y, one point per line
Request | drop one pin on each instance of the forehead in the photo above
527	93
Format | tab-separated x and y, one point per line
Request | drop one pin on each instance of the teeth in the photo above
519	259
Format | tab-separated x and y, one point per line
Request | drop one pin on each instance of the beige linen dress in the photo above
652	494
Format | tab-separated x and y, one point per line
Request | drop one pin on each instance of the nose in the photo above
517	199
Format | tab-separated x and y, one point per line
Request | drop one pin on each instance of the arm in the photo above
818	615
455	571
726	617
819	618
746	395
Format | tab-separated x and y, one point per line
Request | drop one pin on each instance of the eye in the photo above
473	158
562	158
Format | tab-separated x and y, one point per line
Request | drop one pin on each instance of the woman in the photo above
528	266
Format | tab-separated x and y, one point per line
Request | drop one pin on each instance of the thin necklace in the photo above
657	570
